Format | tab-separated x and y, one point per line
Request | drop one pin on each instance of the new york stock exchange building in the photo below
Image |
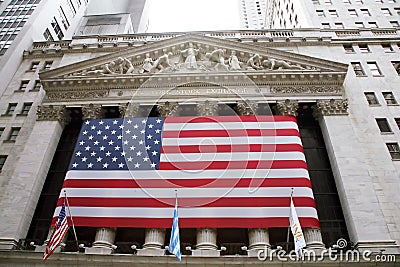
232	125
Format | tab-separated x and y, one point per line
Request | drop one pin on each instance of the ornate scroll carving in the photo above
331	107
247	108
53	113
92	111
167	109
207	108
307	89
76	95
287	107
128	110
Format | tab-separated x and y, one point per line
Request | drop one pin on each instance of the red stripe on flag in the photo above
187	183
220	119
223	165
229	133
189	202
233	148
193	222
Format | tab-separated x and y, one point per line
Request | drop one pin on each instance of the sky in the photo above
193	15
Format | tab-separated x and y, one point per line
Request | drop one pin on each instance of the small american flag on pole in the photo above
60	229
231	172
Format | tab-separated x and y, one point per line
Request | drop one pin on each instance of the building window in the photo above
393	150
34	66
363	48
387	48
26	108
373	67
333	13
346	2
47	35
1	131
325	25
365	12
386	11
397	120
23	85
359	24
315	2
392	1
396	66
3	159
328	2
63	17
383	125
397	10
320	13
379	1
47	65
371	98
13	134
389	98
37	86
348	48
352	13
358	70
11	108
359	1
57	29
373	24
394	23
339	25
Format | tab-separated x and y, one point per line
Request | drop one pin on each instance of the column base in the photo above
42	249
151	252
385	247
98	250
206	253
9	244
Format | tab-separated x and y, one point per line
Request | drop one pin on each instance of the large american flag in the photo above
229	172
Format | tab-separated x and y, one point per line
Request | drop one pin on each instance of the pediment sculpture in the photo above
194	59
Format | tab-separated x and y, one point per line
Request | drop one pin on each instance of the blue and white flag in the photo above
174	242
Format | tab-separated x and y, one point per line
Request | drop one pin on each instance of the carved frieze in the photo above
52	113
307	89
82	94
287	107
331	107
92	111
207	108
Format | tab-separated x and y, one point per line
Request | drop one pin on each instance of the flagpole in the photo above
72	221
288	233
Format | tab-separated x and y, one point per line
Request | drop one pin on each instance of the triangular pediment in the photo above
194	54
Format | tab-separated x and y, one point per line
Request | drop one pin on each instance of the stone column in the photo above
167	109
287	107
104	241
23	184
258	240
129	110
258	237
153	242
359	168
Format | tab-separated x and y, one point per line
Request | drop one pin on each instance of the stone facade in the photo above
308	69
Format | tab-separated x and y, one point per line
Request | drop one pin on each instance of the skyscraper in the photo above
253	14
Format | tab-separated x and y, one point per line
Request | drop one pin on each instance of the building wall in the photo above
365	173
